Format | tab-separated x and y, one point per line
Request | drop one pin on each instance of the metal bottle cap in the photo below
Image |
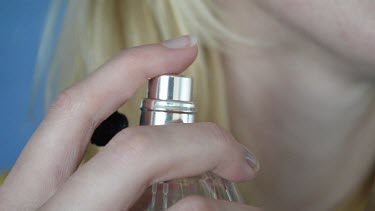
169	100
170	87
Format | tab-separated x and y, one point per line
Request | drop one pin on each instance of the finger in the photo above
57	146
206	204
140	156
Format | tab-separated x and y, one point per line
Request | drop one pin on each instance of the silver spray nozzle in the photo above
170	87
169	100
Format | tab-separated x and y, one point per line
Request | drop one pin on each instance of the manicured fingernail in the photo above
181	42
251	160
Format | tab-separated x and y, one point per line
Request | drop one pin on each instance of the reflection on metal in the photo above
169	101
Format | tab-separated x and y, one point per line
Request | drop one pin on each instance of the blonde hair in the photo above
95	30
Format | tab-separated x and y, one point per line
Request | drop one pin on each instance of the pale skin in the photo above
307	110
306	114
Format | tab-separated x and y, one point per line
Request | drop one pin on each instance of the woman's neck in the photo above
306	109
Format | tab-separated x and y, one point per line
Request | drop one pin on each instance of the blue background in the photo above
21	25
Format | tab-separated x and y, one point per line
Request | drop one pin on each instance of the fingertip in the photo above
239	173
183	51
172	56
182	42
242	166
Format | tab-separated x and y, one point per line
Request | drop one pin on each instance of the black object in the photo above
109	128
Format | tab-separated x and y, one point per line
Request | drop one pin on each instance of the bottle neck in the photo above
163	112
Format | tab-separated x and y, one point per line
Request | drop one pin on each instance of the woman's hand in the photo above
46	177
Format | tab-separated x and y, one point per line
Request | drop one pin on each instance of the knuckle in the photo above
69	106
66	101
194	203
134	141
137	145
219	134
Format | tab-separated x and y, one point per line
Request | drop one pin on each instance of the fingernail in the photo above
181	42
251	160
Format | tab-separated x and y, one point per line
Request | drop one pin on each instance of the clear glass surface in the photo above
161	196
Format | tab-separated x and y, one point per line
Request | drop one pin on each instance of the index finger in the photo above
56	148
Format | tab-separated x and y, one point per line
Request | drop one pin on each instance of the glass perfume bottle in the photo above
169	100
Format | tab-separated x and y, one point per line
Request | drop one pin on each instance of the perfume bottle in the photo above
169	101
